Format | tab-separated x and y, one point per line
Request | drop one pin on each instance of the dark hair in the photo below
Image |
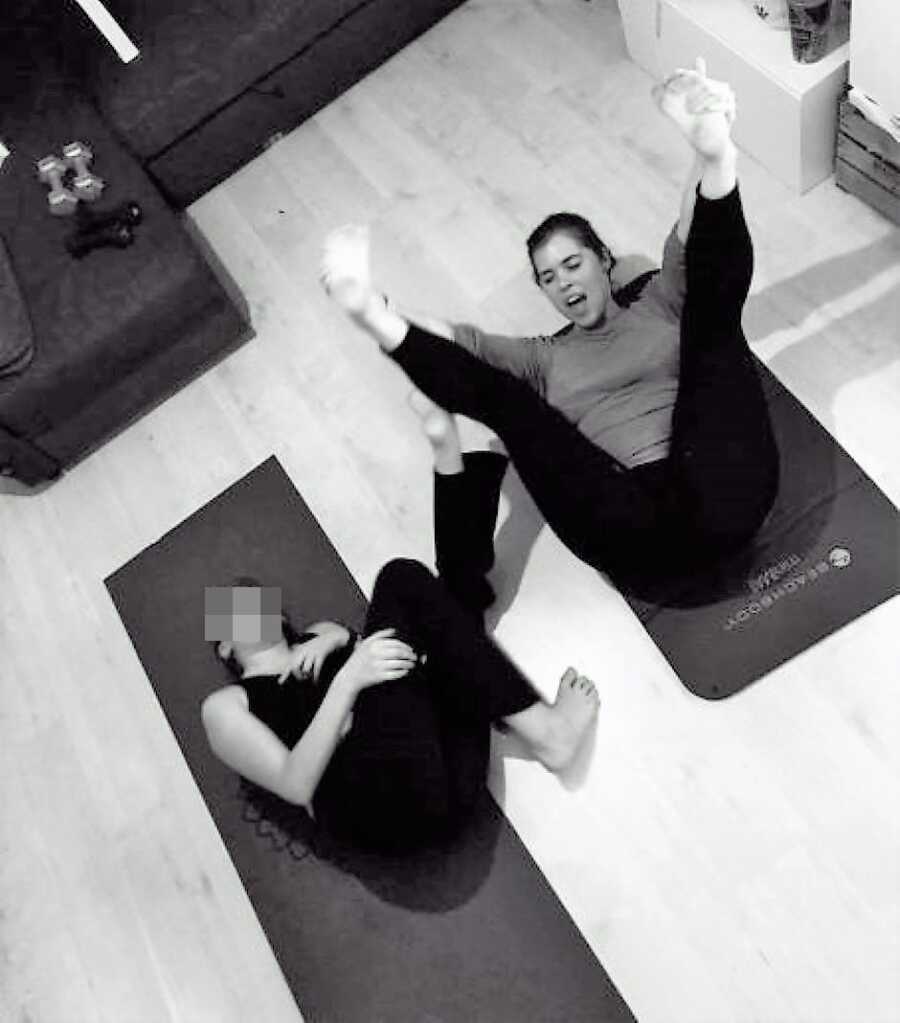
288	631
573	224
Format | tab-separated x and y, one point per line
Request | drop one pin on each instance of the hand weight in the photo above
62	200
85	184
117	235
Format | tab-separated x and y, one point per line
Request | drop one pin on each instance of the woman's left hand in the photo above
308	657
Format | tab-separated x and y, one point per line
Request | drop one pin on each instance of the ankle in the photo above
387	326
448	460
725	159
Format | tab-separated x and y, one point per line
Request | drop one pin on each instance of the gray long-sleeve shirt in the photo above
616	382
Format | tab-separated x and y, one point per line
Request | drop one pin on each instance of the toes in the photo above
588	689
570	677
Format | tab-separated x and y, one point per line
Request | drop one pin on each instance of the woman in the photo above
642	433
385	738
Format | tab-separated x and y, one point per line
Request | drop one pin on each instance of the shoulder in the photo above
221	705
636	288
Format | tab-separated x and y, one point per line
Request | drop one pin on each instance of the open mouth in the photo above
575	302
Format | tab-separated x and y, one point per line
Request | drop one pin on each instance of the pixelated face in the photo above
242	616
573	277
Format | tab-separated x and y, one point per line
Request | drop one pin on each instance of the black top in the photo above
288	707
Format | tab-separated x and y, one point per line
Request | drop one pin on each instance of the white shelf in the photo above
787	111
769	50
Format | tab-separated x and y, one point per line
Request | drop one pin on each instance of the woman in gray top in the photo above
641	430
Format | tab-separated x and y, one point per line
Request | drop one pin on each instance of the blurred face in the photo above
573	278
244	619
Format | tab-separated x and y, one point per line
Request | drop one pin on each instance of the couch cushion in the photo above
292	92
196	56
16	336
96	318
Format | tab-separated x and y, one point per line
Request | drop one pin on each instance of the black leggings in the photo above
414	764
719	480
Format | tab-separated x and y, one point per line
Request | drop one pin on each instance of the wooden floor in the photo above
727	863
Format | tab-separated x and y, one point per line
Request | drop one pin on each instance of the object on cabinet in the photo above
773	12
786	111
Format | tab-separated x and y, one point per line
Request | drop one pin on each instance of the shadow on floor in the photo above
431	879
869	336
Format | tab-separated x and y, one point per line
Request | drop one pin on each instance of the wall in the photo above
874	49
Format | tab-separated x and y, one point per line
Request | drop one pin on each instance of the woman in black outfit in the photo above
385	738
642	433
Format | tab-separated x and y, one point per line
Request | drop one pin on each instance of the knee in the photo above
403	571
403	575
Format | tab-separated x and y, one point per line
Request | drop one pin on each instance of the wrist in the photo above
348	683
719	176
373	309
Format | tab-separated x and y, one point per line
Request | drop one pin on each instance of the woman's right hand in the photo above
378	658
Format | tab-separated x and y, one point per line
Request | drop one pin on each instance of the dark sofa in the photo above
112	335
216	79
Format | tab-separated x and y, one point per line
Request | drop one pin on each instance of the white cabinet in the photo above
787	112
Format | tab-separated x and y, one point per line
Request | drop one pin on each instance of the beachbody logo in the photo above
770	586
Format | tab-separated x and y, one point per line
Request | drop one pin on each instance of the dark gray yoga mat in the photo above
469	932
828	552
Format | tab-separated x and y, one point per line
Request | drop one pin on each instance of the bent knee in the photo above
403	573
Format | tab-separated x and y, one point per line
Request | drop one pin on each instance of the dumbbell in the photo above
125	213
117	235
62	200
86	185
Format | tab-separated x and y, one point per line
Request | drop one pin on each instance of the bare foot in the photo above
572	715
440	429
703	109
345	272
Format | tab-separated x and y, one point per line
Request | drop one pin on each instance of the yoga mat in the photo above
468	932
827	553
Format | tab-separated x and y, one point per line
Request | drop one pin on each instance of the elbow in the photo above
296	795
295	790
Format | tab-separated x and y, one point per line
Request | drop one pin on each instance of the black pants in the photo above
719	480
414	764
